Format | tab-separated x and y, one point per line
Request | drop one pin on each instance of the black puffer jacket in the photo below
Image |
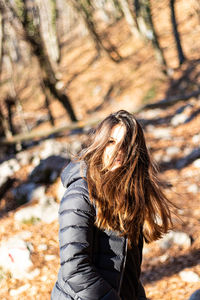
92	260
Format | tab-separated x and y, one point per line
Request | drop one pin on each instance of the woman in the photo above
113	199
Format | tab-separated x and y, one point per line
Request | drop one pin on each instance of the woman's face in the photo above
116	137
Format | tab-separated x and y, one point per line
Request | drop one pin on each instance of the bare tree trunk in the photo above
38	49
141	18
51	118
47	103
118	10
48	29
16	101
5	125
181	55
10	102
20	113
35	39
147	29
3	119
86	15
129	17
66	17
9	52
1	39
110	10
196	8
63	98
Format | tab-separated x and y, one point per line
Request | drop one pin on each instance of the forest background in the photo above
65	65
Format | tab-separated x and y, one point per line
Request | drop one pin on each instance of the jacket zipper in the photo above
123	267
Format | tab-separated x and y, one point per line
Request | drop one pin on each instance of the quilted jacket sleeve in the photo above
76	218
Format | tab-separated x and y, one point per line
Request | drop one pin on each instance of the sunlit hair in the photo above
130	197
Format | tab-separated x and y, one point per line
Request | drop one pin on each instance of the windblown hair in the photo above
130	197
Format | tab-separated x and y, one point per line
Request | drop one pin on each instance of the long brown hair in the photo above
130	197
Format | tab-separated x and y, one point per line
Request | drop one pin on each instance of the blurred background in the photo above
64	66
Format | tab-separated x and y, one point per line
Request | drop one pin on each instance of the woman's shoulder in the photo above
73	172
76	196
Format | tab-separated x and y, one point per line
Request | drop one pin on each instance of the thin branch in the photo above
45	133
